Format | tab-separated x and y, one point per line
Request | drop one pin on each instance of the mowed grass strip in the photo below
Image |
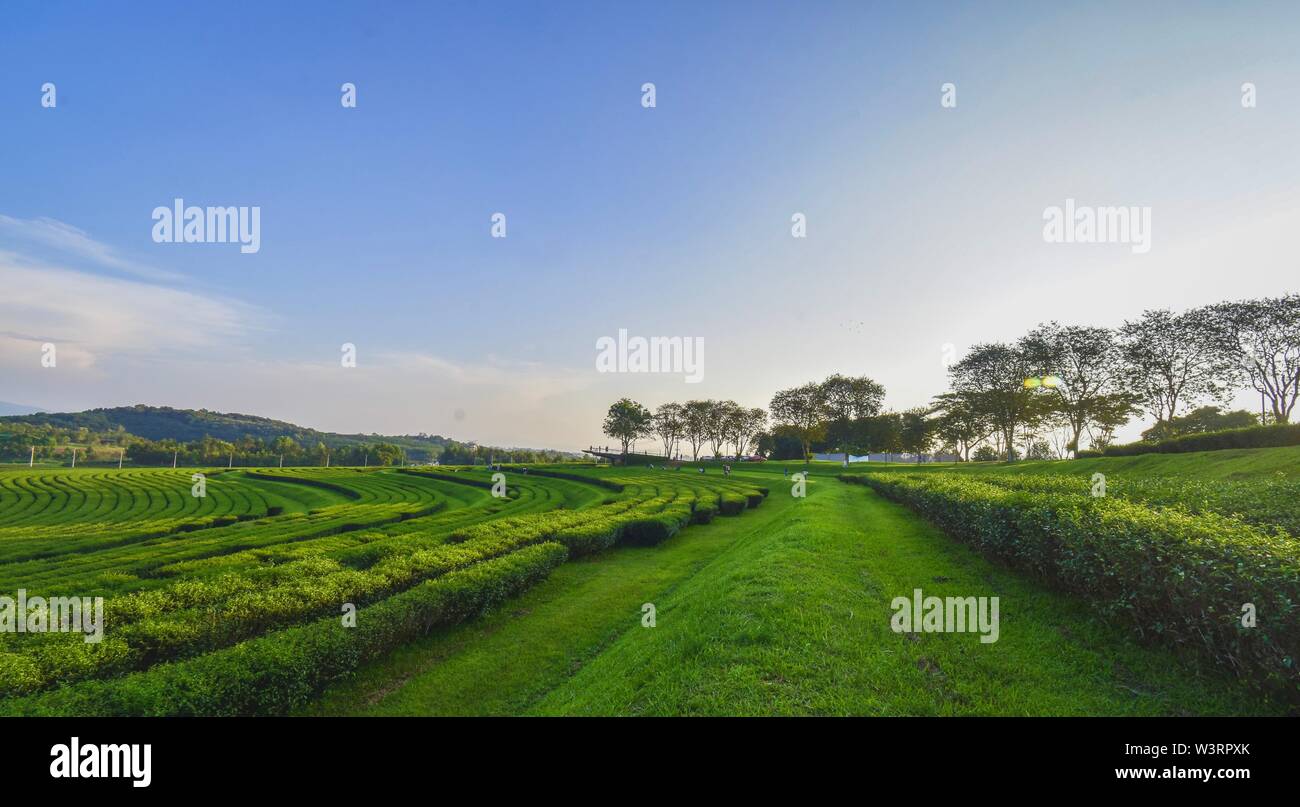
797	622
499	664
786	612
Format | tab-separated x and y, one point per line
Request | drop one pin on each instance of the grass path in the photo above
783	611
498	664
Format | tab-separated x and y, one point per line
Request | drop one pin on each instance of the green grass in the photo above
1234	463
498	665
784	612
268	550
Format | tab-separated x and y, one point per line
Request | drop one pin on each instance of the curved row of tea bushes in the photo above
46	556
1169	574
279	672
384	499
77	512
161	558
577	477
308	480
41	497
194	615
1278	434
1267	502
213	602
732	504
197	616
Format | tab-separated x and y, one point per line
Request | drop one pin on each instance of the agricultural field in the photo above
229	603
534	602
786	612
1175	559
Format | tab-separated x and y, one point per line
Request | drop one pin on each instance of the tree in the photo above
696	424
1039	450
882	433
961	423
1087	375
212	450
1101	432
1200	420
285	446
846	401
1261	340
719	413
917	432
626	421
786	444
992	377
669	425
801	409
1173	360
385	454
742	427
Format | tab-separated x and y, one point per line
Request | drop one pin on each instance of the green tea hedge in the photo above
1282	434
279	672
1167	573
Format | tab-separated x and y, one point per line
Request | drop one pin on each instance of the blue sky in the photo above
924	223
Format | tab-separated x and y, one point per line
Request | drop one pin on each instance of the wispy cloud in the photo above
130	340
71	240
493	371
88	316
537	406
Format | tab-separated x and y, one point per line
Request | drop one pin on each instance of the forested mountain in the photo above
150	435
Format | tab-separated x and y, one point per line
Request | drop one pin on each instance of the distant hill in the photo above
7	408
190	426
185	425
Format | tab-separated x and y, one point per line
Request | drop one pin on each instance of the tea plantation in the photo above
230	602
623	591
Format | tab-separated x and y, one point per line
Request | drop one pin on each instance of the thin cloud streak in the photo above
68	239
89	316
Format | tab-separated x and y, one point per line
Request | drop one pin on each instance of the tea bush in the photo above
1170	574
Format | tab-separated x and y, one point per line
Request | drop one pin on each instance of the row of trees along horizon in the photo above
23	442
1039	397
